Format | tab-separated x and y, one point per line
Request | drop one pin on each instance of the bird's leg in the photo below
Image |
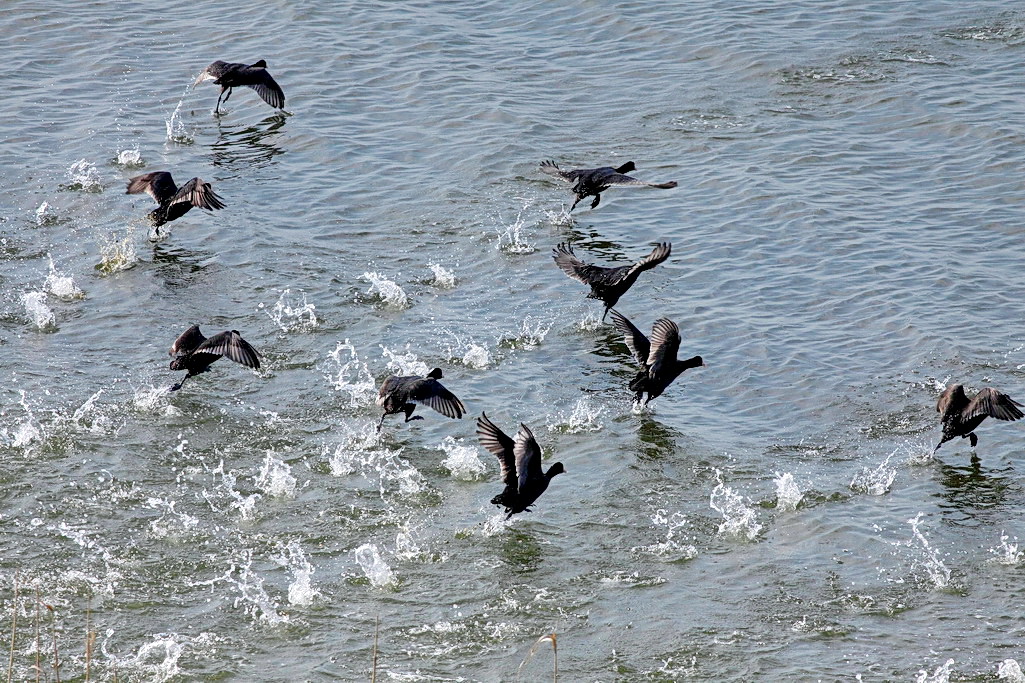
179	385
973	439
381	423
217	107
597	199
575	202
605	313
408	410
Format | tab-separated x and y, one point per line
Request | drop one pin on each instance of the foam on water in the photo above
60	285
47	214
275	477
300	591
940	675
404	364
37	312
876	481
673	548
788	496
175	126
1006	553
462	459
83	175
386	291
443	277
129	158
585	416
117	253
155	661
292	313
374	566
739	520
935	570
349	375
1009	670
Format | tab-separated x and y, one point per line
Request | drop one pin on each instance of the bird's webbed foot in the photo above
973	439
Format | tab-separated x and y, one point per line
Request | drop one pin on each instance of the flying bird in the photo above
195	353
960	416
401	394
589	182
520	460
174	201
657	356
230	75
607	284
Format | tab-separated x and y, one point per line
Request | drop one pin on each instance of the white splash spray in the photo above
349	375
176	126
586	416
443	277
788	495
940	675
275	477
84	176
129	158
739	520
47	214
386	291
292	313
937	572
60	285
1007	553
404	364
1009	670
117	253
374	566
37	312
877	481
462	459
510	238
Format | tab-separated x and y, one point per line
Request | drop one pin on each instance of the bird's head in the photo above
557	468
435	373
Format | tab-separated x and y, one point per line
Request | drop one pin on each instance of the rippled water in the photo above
846	240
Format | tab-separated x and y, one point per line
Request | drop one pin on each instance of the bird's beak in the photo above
205	76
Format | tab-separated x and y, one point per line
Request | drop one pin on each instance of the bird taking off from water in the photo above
589	182
607	284
520	460
174	201
195	353
960	416
401	394
657	356
230	75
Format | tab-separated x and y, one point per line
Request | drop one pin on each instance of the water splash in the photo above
87	417
84	176
275	477
252	598
172	524
129	158
60	285
404	364
589	323
155	661
301	591
585	416
673	548
1009	670
468	352
360	452
788	496
244	505
443	277
1006	553
176	126
510	238
530	335
937	572
27	431
386	291
940	675
462	460
875	482
292	313
739	520
349	375
37	312
47	214
151	399
117	254
374	566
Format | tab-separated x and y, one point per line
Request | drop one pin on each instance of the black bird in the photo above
960	416
195	353
230	75
607	284
520	461
593	181
401	394
174	201
659	365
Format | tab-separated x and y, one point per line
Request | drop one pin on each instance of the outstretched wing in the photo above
267	88
621	179
577	269
198	193
431	393
952	398
187	341
158	184
231	345
659	254
528	457
635	340
552	169
496	441
665	343
992	403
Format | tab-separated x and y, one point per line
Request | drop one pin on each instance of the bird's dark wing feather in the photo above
621	179
267	88
158	184
198	193
665	343
659	254
497	442
528	458
552	169
583	272
992	403
952	398
431	393
231	345
187	342
635	340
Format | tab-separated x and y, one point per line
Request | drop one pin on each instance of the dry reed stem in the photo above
53	627
39	664
90	638
14	624
377	631
550	637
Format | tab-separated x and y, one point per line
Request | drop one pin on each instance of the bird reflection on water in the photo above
248	146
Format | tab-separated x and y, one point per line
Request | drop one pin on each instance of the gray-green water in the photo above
847	239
